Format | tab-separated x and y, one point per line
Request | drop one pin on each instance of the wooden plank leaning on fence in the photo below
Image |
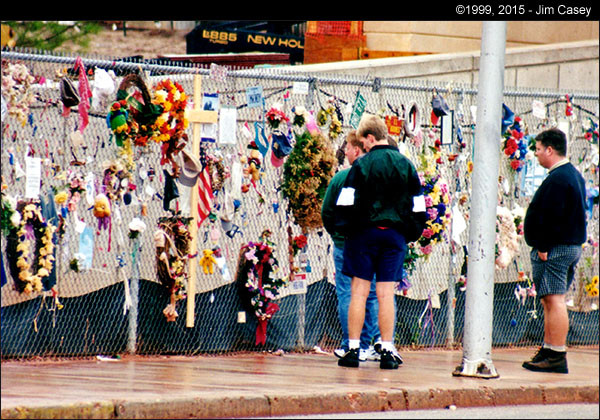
196	116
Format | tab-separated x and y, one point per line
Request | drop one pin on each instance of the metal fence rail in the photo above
116	303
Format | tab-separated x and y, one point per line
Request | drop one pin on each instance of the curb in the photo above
322	403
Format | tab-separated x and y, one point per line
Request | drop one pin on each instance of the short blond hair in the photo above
374	125
353	140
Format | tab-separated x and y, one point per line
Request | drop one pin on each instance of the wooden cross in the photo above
196	116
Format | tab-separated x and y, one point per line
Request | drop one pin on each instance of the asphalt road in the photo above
555	411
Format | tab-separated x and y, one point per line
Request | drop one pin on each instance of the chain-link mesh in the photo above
116	303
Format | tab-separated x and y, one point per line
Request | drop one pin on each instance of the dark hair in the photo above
554	138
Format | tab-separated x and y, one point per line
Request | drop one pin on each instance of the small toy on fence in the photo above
207	262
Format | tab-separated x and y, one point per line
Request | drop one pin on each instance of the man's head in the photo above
354	147
371	130
550	147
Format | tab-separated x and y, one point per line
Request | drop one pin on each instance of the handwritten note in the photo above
33	174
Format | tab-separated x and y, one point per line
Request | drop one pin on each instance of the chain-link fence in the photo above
104	294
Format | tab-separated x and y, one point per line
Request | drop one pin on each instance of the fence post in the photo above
135	289
477	340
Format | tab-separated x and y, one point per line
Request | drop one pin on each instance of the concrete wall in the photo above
570	66
428	37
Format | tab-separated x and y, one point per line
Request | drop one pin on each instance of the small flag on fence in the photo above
205	192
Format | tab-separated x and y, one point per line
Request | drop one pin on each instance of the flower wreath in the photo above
172	241
306	174
258	282
172	123
133	116
22	259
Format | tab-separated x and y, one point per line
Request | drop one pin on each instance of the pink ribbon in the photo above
261	327
85	93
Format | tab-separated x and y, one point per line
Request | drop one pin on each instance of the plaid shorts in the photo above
555	275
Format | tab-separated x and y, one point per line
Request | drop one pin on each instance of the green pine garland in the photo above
306	174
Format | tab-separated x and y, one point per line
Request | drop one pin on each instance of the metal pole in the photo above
477	339
134	286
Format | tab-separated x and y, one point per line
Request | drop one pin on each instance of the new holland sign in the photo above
204	40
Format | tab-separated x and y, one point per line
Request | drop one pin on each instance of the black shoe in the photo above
541	354
547	360
350	359
389	360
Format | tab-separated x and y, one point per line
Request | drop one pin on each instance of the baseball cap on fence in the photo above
276	161
280	148
439	108
281	144
190	168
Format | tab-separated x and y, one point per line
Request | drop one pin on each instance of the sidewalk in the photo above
269	384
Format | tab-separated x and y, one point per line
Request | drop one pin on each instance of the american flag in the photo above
205	192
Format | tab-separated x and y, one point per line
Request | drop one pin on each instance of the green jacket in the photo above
385	182
328	206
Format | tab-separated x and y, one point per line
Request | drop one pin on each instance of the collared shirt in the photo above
559	163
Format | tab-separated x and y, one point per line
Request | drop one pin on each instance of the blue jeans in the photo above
343	289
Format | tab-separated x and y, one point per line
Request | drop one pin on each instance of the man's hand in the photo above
543	255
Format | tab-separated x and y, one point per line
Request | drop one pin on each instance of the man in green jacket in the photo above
380	195
354	149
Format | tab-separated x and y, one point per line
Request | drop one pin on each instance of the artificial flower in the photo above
275	116
515	146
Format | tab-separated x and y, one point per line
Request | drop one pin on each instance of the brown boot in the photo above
546	360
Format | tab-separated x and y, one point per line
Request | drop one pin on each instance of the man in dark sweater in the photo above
555	227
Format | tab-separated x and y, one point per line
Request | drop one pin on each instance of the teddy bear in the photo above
207	261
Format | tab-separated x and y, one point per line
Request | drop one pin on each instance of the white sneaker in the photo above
339	353
368	354
397	356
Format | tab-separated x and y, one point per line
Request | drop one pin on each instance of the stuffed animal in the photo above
253	161
101	206
102	210
207	261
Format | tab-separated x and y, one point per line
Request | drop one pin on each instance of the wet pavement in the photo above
278	384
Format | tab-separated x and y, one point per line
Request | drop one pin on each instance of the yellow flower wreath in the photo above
31	217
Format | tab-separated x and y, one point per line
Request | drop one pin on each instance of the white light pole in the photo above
477	339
